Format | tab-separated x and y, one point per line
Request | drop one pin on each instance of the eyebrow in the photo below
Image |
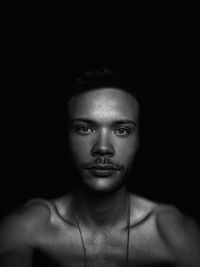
116	122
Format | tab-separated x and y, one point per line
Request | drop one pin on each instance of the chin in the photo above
102	186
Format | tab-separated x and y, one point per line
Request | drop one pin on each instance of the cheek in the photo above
79	146
128	149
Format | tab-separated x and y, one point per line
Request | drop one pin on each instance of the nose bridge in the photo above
103	144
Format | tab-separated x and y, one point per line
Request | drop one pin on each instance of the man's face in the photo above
103	137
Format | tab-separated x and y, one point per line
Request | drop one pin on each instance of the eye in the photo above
84	130
122	132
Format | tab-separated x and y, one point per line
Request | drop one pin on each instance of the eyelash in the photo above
128	131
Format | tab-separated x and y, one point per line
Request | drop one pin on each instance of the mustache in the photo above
102	161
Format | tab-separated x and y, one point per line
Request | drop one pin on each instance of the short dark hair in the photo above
95	78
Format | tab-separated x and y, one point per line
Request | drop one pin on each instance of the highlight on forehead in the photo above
104	101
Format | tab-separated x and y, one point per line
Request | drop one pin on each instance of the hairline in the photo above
106	87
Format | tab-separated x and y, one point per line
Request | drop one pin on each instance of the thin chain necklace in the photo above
128	230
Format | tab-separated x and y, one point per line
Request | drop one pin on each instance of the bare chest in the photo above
65	248
98	249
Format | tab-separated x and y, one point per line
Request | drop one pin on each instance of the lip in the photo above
102	172
102	167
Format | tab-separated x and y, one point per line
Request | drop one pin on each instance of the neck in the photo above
101	211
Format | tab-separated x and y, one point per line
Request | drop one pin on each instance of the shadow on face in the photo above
103	137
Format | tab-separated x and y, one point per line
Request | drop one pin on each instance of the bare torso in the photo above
60	241
44	233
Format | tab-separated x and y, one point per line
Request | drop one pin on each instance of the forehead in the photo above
104	104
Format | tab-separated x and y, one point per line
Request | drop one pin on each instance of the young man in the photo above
101	223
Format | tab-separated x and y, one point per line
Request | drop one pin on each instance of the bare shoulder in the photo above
64	207
180	233
17	230
172	223
141	209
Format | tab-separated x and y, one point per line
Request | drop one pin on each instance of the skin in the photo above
104	123
159	234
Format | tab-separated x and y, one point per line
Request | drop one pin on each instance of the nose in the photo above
102	145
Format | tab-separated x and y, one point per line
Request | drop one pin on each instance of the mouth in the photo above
103	167
102	170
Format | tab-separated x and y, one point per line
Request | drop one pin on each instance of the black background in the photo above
155	44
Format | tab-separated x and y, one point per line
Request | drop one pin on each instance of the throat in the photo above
101	212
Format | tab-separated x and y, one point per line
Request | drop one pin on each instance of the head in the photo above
103	130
